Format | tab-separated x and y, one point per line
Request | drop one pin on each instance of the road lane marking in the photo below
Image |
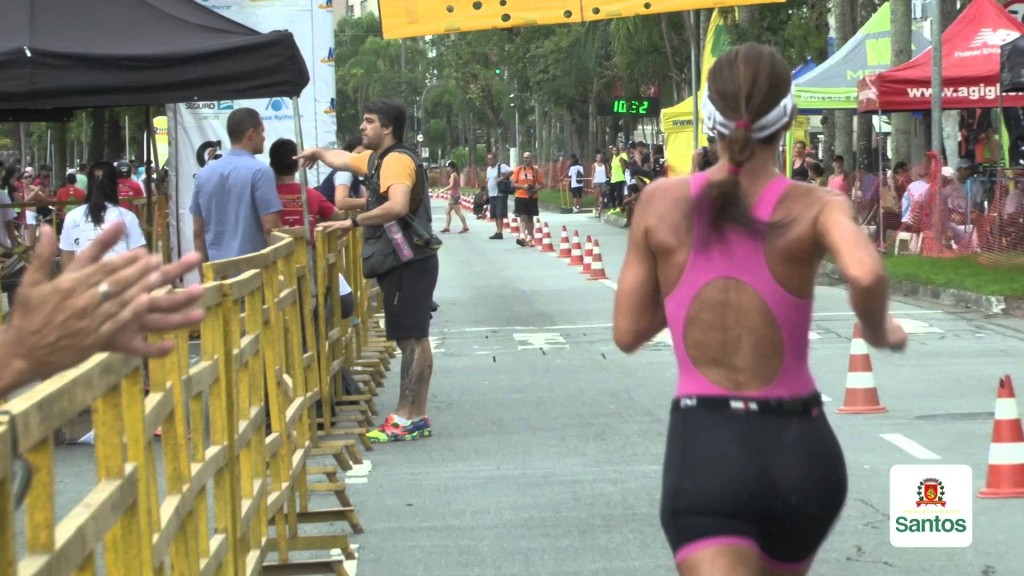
539	340
916	326
825	398
911	447
893	312
497	328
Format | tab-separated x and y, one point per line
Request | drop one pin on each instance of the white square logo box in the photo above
931	506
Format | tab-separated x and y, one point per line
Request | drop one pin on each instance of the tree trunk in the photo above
865	127
846	19
60	153
705	23
902	122
669	50
97	125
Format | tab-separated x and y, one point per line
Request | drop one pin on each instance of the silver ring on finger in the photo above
105	292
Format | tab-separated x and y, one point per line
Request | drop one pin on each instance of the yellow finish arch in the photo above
410	18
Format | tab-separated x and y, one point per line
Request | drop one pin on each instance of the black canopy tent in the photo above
138	53
1011	66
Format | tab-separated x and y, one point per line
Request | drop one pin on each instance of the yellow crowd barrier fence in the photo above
253	416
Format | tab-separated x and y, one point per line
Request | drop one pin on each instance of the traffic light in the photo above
497	71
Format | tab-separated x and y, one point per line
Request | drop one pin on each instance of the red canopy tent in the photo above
970	67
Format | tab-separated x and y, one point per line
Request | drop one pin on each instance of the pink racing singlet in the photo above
735	253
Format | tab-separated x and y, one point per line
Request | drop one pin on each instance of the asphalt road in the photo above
548	441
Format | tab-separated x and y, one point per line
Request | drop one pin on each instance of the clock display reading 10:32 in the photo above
635	107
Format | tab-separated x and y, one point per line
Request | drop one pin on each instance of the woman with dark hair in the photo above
84	223
726	260
454	191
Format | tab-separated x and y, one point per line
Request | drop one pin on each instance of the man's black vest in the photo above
377	244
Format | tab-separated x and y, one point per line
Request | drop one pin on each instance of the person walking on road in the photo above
454	191
396	188
726	259
498	202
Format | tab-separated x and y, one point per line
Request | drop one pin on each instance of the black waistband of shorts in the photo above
802	405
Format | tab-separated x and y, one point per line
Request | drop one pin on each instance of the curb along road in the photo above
949	296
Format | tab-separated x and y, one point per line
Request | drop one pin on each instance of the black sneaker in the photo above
497	236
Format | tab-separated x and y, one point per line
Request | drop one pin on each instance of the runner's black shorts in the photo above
577	192
527	207
772	481
408	291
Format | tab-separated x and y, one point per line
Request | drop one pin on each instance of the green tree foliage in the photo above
797	28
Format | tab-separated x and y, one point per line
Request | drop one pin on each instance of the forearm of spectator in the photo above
396	207
17	369
199	237
350	203
270	223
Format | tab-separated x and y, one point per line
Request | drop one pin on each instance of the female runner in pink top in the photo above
754	478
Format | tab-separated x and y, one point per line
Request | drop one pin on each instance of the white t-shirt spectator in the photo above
7	214
79	231
575	173
494	173
916	192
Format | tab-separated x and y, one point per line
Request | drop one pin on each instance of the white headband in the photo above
770	123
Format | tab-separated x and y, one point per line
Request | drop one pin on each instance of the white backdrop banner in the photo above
198	129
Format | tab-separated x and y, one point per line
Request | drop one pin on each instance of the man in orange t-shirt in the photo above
526	179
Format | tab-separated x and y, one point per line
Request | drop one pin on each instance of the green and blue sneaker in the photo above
392	431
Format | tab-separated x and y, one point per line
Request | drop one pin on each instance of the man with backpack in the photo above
399	250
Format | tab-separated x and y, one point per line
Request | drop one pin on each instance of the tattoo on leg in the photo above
417	366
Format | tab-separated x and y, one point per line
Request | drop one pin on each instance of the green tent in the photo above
833	84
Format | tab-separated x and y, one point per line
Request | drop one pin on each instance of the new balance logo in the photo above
991	37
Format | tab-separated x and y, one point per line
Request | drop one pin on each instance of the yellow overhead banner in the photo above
409	18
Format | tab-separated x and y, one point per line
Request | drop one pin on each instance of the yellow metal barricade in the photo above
272	346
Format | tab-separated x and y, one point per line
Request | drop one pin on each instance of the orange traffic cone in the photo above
545	243
1006	453
597	264
538	231
514	229
564	251
588	255
576	254
861	394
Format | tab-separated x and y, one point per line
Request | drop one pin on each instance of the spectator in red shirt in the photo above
128	190
69	193
285	166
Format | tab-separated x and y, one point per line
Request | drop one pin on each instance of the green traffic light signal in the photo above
497	71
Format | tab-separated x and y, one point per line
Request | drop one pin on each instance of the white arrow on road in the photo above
538	340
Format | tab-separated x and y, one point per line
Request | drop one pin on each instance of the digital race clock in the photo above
633	107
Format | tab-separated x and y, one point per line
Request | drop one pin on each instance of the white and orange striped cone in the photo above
597	264
1006	453
538	231
588	255
506	225
545	243
861	394
514	226
564	250
576	253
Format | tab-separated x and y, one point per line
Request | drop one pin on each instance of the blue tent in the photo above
804	68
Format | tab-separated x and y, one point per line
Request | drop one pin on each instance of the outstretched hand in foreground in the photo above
95	305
